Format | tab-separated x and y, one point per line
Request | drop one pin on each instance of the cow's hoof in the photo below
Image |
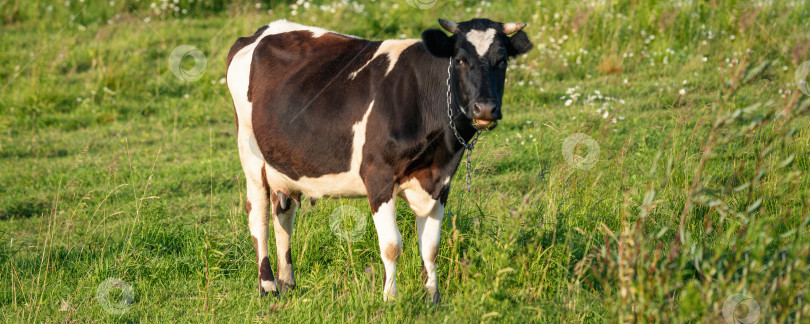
263	293
432	298
284	288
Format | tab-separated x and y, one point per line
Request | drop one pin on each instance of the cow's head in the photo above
480	50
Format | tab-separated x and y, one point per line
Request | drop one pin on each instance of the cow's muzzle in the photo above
485	115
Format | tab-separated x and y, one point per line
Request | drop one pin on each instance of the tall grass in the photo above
696	205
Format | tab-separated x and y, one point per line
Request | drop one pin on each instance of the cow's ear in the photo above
438	43
519	43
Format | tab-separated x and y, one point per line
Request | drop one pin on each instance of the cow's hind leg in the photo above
283	219
257	207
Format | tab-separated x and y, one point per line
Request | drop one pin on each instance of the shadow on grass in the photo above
23	209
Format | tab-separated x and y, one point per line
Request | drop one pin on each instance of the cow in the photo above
324	114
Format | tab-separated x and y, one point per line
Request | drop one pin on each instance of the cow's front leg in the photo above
385	220
429	211
283	218
428	227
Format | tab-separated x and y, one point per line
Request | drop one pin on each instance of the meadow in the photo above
652	166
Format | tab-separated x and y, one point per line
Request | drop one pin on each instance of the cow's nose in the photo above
486	110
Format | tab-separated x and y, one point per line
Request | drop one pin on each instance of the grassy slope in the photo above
112	167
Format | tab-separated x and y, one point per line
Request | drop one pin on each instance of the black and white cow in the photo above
325	114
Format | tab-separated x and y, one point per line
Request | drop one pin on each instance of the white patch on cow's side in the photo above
393	48
482	40
344	184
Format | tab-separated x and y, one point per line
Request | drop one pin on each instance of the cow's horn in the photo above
511	28
448	25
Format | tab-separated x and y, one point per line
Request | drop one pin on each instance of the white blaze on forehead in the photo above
393	48
481	40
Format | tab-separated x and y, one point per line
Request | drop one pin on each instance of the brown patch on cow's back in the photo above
392	252
294	50
293	70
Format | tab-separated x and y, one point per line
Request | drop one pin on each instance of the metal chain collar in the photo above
468	147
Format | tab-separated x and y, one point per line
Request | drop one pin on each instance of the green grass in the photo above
110	167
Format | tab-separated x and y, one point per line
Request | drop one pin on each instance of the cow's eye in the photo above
460	62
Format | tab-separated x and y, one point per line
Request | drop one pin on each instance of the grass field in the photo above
695	208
